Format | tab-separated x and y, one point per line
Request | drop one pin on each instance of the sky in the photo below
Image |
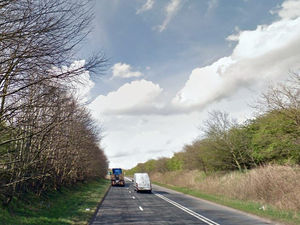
171	62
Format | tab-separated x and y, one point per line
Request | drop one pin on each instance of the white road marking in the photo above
128	179
133	197
197	215
140	207
129	191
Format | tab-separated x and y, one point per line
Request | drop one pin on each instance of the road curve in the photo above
122	205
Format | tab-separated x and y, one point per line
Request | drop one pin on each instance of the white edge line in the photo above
191	211
198	216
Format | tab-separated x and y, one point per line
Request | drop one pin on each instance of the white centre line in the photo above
197	215
133	197
140	207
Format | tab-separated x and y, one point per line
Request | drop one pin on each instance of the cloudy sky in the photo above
173	61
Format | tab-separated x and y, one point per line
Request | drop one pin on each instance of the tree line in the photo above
273	136
47	138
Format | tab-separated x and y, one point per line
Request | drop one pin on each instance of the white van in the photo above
141	182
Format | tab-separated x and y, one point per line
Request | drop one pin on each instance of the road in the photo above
122	205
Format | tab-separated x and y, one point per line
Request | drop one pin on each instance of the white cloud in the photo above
202	85
124	70
267	53
170	10
147	6
289	9
134	97
132	139
83	84
80	85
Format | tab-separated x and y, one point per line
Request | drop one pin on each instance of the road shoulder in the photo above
99	205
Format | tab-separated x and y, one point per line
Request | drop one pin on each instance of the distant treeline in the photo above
273	136
47	139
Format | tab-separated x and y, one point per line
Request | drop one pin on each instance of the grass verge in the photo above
73	205
286	217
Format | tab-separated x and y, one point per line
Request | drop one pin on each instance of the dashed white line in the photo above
133	197
197	215
140	207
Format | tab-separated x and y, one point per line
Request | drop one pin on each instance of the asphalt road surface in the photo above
122	205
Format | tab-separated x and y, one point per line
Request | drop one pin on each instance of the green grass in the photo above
286	217
67	206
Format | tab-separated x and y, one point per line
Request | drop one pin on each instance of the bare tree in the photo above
283	98
227	139
36	37
46	138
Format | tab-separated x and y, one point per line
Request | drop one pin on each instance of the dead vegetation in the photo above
274	185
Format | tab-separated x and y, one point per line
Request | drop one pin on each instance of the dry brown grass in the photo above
274	185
